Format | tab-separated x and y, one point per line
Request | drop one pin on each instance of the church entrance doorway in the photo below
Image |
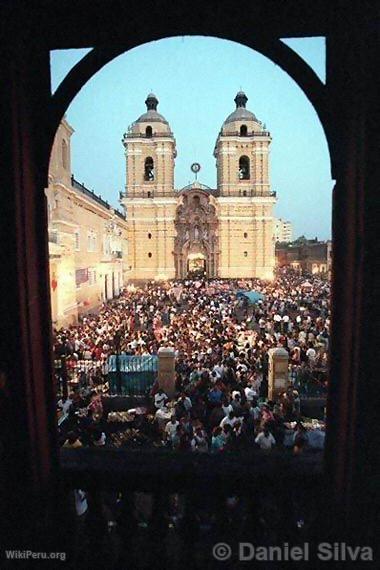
196	253
196	266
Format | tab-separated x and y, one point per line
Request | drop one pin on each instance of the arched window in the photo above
245	235
243	131
244	192
244	168
148	132
246	254
149	236
150	254
64	154
149	169
149	194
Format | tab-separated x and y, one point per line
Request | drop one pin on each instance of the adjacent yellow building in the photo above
87	240
227	232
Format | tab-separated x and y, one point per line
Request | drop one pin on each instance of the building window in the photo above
149	236
149	169
243	131
245	235
148	132
91	241
77	240
149	194
246	254
53	236
64	154
244	168
150	254
244	192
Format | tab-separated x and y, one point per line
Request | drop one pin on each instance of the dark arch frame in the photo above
347	107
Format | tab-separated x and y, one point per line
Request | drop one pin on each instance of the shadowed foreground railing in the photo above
144	504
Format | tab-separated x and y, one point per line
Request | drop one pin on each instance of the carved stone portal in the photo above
196	251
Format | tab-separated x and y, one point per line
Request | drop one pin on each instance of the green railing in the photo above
131	375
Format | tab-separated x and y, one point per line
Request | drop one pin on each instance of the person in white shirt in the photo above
277	322
311	354
250	393
81	504
199	441
65	405
265	440
254	410
229	420
171	428
160	399
227	408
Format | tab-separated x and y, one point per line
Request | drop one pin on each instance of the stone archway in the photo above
196	243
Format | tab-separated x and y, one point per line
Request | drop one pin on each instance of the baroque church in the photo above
222	232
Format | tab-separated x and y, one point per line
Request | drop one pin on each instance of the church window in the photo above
148	132
245	235
149	194
244	192
246	254
149	169
243	130
150	254
244	168
196	201
149	236
64	154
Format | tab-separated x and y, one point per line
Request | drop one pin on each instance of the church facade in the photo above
225	232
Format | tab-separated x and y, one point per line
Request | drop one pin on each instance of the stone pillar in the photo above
278	378
166	370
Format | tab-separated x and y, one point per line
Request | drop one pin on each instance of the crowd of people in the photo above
221	345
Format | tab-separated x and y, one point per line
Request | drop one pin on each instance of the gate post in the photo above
166	370
278	378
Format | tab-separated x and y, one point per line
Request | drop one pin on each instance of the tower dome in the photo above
240	116
151	119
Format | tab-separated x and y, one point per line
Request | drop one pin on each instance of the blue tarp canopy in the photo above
252	296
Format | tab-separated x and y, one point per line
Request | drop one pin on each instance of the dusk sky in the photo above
196	80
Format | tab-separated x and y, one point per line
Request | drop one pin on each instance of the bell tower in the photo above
150	151
241	152
149	199
246	223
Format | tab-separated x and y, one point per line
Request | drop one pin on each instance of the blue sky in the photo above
196	80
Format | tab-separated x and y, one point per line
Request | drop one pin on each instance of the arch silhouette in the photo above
272	48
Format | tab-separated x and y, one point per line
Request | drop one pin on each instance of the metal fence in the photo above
132	375
310	382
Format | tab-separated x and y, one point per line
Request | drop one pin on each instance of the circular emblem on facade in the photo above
195	167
